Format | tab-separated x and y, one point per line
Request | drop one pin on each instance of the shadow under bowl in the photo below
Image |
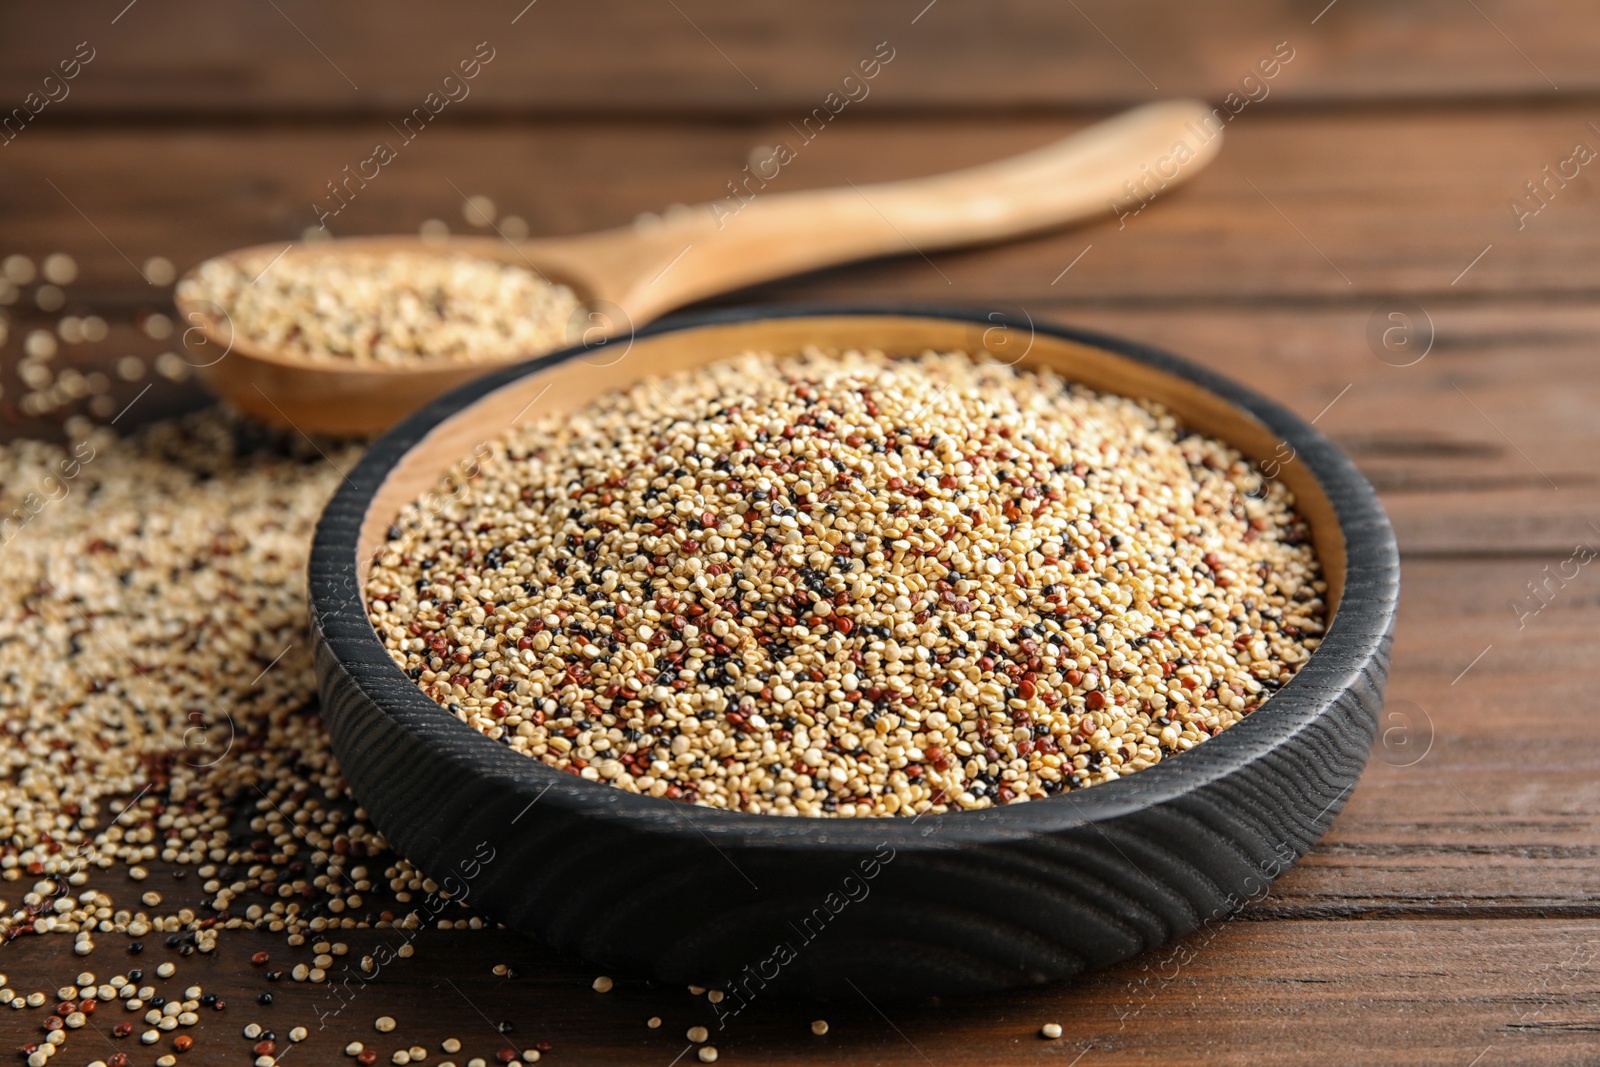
887	907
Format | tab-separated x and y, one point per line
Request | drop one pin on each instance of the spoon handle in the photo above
1115	166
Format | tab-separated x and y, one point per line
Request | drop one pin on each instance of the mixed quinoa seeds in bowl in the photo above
852	585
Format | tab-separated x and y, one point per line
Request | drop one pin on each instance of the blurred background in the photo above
1376	162
1399	241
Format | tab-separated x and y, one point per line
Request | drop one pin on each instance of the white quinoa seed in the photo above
1051	1031
819	1027
158	270
853	585
602	984
391	309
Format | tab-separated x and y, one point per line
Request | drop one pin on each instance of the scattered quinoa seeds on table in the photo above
853	585
167	589
155	716
390	309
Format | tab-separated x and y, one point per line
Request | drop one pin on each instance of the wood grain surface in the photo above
694	57
1332	208
1452	914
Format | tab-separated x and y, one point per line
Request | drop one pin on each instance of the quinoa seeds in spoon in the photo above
393	308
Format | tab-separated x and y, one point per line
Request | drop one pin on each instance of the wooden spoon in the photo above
630	275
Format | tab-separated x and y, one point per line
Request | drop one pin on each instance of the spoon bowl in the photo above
336	394
627	276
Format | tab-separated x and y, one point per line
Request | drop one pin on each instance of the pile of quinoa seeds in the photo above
852	586
164	774
388	309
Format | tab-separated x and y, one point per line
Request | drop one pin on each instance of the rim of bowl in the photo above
1360	625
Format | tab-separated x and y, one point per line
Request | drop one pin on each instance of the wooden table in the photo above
1452	915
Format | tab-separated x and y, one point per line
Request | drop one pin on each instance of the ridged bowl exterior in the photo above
896	907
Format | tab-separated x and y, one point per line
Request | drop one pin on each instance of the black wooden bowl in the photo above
961	902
